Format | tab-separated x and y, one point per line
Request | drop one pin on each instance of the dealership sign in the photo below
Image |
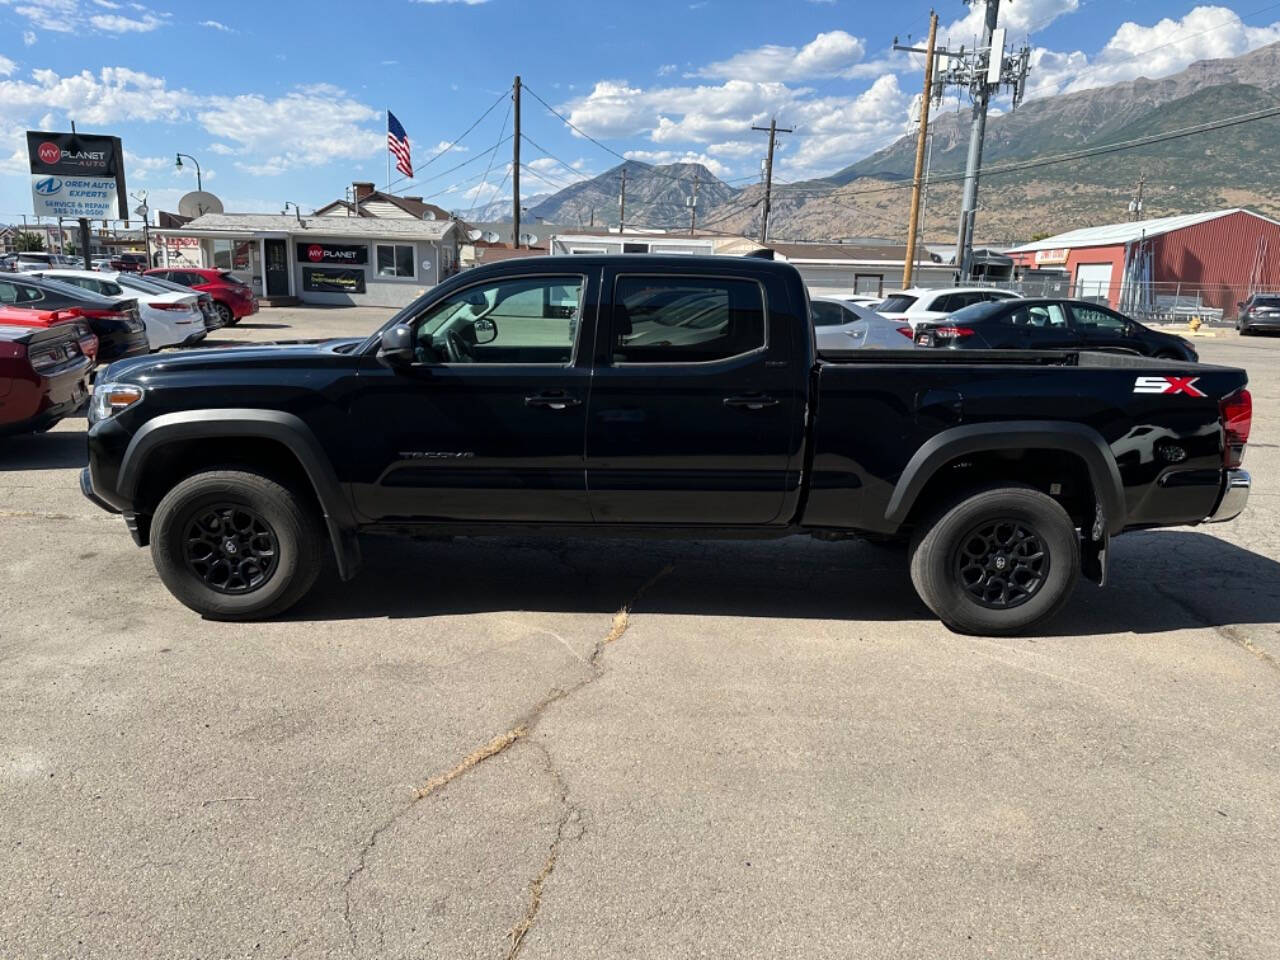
76	175
340	253
328	280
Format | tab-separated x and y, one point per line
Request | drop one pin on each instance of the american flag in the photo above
398	144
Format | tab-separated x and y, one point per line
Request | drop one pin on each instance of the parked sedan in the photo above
212	319
116	323
43	376
45	319
231	297
1051	325
840	325
172	319
1259	312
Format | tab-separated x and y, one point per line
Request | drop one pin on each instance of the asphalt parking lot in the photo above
635	749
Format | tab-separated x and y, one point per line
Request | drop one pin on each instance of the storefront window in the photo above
395	260
222	253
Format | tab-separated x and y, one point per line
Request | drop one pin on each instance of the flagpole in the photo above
388	151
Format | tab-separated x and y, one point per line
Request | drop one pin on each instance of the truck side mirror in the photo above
396	347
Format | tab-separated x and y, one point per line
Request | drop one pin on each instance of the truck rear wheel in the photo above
236	545
997	561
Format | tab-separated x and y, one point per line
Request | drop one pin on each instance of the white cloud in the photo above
28	38
617	109
830	54
832	132
665	70
7	67
114	94
107	4
1158	50
1020	18
736	149
673	156
216	25
114	23
444	144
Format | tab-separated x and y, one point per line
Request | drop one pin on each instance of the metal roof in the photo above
357	227
1118	233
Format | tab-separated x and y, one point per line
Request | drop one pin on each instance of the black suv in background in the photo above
1050	324
1260	312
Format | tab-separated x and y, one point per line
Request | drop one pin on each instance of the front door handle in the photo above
552	401
755	402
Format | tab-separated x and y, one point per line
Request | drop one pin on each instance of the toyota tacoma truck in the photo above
643	396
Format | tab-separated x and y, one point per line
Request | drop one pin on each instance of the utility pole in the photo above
768	175
1135	205
693	205
921	141
982	71
515	170
622	201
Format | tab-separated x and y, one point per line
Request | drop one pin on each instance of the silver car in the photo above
841	325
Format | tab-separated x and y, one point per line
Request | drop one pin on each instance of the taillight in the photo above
176	307
906	332
1236	412
51	357
103	314
951	333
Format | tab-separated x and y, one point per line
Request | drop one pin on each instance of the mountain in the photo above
1233	166
498	211
655	196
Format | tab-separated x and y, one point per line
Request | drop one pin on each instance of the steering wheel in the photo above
458	349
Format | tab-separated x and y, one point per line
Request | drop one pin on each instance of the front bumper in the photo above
86	487
1235	494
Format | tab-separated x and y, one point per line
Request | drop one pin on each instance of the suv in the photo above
919	305
1260	312
232	299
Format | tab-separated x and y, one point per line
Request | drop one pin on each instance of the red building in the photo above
1211	259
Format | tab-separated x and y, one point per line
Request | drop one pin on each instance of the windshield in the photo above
145	286
898	303
1270	302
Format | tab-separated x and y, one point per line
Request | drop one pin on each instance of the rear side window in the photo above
232	278
898	303
826	314
685	320
19	293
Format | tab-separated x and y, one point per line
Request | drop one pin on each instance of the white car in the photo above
924	305
172	319
843	325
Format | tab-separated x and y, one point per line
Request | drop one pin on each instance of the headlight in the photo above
110	398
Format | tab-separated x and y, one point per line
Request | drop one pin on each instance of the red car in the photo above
19	317
231	298
44	376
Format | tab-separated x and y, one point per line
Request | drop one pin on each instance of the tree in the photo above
27	241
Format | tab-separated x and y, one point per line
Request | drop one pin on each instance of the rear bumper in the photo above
1235	494
1261	323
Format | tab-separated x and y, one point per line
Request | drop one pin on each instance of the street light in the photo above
178	164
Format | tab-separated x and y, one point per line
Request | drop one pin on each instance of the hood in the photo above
230	358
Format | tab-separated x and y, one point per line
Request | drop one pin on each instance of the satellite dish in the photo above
199	202
528	239
429	215
474	235
142	210
490	236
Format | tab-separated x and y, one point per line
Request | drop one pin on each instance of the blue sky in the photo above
283	101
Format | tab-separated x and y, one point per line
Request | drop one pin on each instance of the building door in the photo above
1093	281
276	252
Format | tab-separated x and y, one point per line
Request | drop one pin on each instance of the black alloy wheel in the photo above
1002	564
231	549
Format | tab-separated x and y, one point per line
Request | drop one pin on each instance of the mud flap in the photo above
1093	549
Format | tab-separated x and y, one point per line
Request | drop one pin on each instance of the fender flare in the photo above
285	428
1076	438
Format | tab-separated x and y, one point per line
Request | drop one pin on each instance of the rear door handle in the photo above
552	401
756	402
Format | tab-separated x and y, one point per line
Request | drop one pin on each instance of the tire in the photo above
228	318
1245	331
1166	355
242	585
943	562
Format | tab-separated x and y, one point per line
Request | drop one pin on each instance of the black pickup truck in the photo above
655	396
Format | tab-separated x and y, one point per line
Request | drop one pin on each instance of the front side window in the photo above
522	320
395	260
694	320
1040	316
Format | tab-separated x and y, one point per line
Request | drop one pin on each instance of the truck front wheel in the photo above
235	545
997	561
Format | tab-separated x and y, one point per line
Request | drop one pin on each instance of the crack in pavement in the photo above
498	745
1229	633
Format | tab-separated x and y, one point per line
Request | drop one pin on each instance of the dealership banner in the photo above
329	280
333	253
77	175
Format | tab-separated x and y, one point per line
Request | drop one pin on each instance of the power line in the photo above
454	142
444	173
